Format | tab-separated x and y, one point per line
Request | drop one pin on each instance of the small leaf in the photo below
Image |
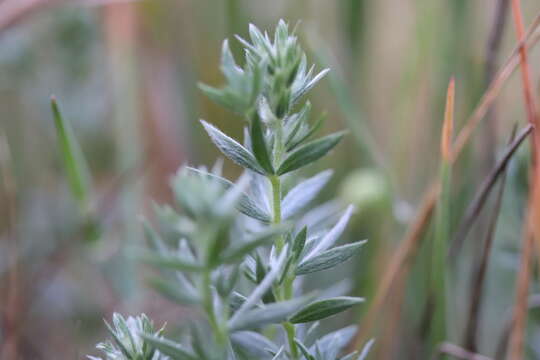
330	258
308	133
304	89
309	152
333	343
269	314
169	348
258	143
246	205
303	193
174	292
252	345
332	236
238	252
260	290
171	262
304	350
74	162
324	308
299	243
232	149
223	97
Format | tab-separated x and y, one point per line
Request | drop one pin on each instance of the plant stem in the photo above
218	329
284	292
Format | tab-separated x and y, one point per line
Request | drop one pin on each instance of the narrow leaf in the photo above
304	89
171	262
238	252
332	236
246	205
309	153
174	292
232	149
258	143
252	345
299	243
269	314
261	289
330	258
303	193
169	348
324	308
74	162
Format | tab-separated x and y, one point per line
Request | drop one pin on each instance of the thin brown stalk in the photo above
458	352
517	334
10	347
410	243
492	54
525	69
479	271
479	199
510	65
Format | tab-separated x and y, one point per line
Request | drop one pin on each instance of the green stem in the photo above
284	292
219	330
439	285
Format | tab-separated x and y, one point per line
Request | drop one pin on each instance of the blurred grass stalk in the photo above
12	304
517	334
120	27
439	275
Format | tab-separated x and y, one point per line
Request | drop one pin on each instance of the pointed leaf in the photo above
303	193
258	143
246	205
74	161
309	153
269	314
232	149
176	262
174	292
299	243
238	252
332	236
170	348
253	345
324	308
329	258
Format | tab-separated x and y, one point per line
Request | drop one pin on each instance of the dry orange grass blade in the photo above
410	243
517	333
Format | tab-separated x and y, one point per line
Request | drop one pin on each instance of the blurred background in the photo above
125	74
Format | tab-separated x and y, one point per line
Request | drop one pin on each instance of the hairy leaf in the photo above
232	149
324	308
329	258
309	153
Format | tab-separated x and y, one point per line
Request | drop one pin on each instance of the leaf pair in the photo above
260	162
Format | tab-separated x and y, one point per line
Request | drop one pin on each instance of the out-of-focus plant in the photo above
240	251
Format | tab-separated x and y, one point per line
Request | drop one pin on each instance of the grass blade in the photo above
74	162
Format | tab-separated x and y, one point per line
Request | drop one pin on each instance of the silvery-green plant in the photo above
239	251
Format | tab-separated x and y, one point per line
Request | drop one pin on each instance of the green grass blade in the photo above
72	156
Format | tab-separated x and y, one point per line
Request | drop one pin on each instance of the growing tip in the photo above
448	125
